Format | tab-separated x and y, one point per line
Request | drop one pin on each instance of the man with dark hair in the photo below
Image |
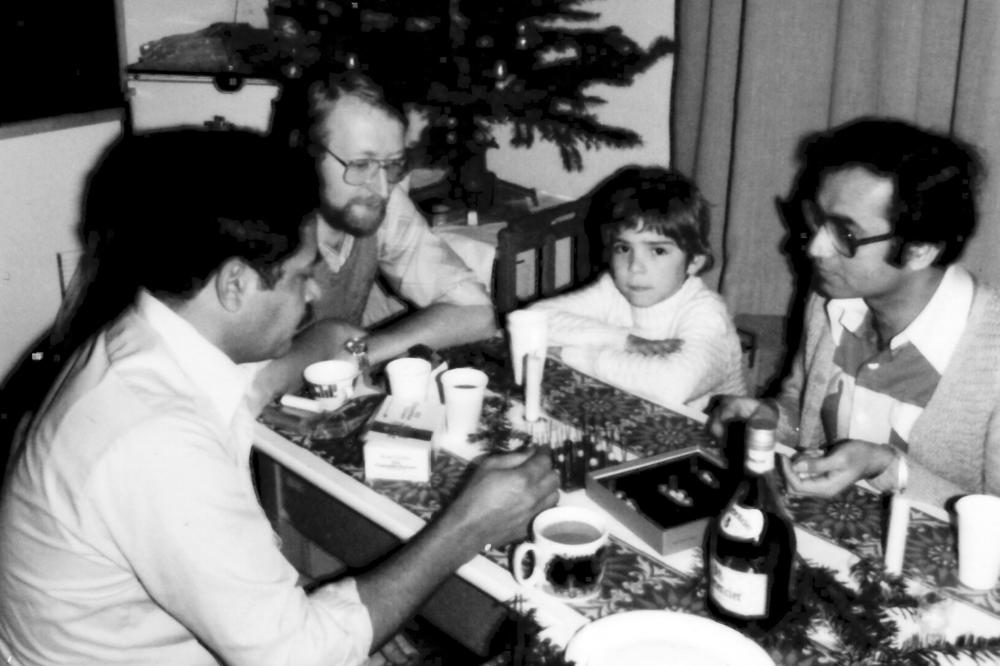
368	226
897	379
130	531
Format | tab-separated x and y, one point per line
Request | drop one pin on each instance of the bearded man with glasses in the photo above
897	379
369	228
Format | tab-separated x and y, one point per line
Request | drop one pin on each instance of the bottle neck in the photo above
759	450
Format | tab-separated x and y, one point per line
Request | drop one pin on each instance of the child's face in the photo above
647	267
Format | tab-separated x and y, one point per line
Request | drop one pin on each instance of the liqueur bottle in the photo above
750	546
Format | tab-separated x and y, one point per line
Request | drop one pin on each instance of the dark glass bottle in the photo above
750	546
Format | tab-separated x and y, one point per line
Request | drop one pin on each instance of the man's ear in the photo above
696	264
917	256
233	282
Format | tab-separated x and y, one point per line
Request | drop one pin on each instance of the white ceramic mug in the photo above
569	547
331	383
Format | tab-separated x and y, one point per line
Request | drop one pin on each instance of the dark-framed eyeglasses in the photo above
360	172
844	241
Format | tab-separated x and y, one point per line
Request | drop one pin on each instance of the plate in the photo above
651	638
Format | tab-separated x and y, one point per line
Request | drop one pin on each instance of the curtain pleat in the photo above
754	76
977	118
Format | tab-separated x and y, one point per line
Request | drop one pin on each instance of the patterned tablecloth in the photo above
635	580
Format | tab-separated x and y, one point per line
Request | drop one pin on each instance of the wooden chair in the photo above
542	254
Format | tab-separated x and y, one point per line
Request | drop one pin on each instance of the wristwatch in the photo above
358	348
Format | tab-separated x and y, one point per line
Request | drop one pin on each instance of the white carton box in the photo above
398	441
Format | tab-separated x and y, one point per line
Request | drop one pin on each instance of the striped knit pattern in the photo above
954	446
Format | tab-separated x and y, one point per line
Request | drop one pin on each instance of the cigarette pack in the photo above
666	499
398	440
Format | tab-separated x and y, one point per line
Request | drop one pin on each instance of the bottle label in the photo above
742	523
760	461
742	593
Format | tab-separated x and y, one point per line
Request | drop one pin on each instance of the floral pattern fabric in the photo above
633	580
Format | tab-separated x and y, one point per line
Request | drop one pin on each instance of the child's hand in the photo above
652	347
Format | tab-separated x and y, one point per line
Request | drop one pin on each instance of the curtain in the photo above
753	76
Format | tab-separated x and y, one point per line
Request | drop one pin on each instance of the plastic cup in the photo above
331	383
978	541
528	331
463	390
408	379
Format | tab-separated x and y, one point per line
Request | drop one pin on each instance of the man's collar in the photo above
846	314
935	331
223	382
334	245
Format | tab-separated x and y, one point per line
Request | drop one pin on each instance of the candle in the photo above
533	364
895	540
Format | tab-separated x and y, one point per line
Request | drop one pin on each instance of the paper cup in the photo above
408	378
978	541
528	331
463	390
331	383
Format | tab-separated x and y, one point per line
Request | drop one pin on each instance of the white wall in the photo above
42	179
644	107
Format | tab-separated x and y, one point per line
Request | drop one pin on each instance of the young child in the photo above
648	324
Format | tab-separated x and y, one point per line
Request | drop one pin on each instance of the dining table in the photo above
835	534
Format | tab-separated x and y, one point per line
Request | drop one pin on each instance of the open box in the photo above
666	499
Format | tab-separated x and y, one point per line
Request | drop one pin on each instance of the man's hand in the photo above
322	341
726	408
325	339
439	326
503	495
845	463
652	347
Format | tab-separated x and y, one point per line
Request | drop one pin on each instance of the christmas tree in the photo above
471	65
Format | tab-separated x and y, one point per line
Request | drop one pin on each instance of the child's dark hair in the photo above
660	200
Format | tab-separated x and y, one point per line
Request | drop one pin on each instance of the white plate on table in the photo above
653	637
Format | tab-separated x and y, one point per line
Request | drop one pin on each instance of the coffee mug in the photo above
569	547
331	383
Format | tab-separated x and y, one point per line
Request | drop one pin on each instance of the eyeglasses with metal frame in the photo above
360	172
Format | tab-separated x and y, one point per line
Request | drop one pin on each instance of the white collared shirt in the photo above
130	531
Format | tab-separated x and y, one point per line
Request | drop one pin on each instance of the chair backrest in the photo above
542	254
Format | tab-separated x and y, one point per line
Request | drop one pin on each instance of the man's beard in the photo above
347	218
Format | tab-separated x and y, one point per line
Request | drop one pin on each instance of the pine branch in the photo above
527	62
980	650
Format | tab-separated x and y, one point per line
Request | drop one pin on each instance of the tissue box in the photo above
666	499
398	441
